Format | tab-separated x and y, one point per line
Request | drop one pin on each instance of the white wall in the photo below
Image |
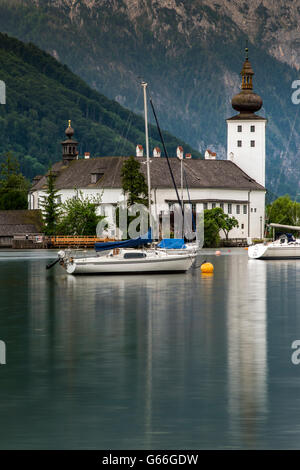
250	224
250	159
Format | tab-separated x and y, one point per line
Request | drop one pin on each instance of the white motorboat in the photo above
286	247
130	261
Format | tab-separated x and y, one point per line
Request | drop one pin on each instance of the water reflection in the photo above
180	361
247	348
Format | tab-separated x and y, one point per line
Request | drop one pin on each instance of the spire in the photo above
247	102
69	145
69	131
247	72
246	50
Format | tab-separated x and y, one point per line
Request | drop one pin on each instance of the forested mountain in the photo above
190	52
43	94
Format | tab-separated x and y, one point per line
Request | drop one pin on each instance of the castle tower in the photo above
69	145
246	145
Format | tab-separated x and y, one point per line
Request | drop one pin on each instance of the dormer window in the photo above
95	177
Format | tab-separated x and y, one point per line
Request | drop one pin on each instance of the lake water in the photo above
149	362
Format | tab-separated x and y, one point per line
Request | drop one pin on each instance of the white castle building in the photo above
237	184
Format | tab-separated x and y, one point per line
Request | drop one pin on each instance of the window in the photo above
229	208
255	209
213	205
239	128
239	143
95	177
245	209
205	206
242	226
58	199
252	128
222	205
238	209
134	255
252	143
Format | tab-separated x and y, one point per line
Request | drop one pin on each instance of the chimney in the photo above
87	155
179	153
188	155
156	152
139	151
209	155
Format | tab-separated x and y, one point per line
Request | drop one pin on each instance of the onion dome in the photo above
70	146
247	102
69	131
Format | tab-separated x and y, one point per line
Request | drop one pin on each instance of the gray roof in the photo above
246	117
20	221
200	174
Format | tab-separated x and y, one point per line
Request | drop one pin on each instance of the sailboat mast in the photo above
181	170
144	86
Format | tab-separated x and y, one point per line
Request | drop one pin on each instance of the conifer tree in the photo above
133	182
50	206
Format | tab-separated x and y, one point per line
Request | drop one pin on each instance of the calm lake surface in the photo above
149	362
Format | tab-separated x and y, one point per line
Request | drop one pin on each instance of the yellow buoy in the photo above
207	268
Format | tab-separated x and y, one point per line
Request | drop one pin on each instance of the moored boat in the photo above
286	247
127	261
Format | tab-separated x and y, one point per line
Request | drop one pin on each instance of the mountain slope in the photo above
191	54
43	94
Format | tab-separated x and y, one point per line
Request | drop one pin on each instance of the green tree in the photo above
51	206
214	221
227	223
283	211
13	185
79	216
211	230
133	182
134	187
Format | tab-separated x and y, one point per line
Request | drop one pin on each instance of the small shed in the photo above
23	224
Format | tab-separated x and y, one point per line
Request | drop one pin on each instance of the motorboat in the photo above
286	247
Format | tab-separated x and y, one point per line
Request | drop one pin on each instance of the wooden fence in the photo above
81	241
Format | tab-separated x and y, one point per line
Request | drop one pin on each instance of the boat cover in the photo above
172	243
131	243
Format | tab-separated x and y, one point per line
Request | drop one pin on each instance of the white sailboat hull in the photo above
274	251
117	265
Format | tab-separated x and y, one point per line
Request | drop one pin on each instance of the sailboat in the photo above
123	257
